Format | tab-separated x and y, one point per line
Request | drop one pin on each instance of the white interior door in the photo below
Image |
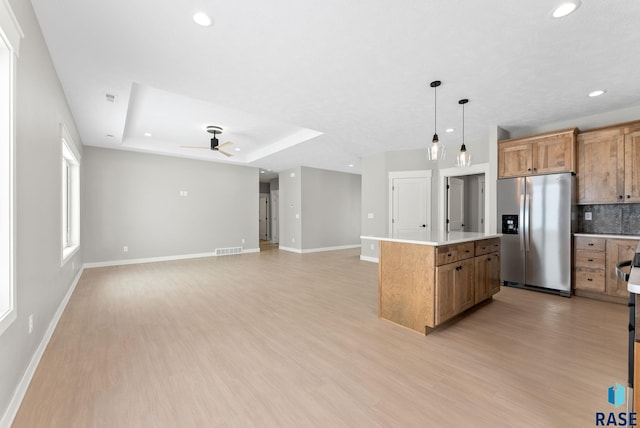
263	217
455	206
409	201
275	206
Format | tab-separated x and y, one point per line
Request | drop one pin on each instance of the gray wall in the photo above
330	208
133	199
318	209
41	283
375	188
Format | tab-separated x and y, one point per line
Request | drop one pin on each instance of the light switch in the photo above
370	215
587	215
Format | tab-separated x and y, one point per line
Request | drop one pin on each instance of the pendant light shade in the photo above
436	150
464	158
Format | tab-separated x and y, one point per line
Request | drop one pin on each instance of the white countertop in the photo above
434	237
604	235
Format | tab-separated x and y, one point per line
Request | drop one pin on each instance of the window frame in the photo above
10	37
70	200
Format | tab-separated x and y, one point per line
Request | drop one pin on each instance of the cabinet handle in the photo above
620	197
535	169
467	251
449	255
489	259
628	196
590	244
528	169
589	279
589	260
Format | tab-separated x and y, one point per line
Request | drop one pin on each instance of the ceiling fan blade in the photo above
225	144
195	147
224	153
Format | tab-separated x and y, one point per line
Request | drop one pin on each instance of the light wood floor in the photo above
279	339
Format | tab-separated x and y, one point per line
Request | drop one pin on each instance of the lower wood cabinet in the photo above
595	262
454	289
487	276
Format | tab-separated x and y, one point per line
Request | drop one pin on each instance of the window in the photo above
70	197
10	35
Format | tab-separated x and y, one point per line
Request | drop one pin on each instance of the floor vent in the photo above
228	251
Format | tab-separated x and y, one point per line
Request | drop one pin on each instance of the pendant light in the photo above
464	158
436	151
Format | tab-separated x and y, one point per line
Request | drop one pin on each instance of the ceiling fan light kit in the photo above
436	151
215	143
464	158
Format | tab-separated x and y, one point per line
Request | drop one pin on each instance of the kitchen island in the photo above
427	278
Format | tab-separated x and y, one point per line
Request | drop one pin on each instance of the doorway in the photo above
409	207
468	204
263	217
275	207
455	204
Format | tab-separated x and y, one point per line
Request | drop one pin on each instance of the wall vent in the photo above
228	251
110	98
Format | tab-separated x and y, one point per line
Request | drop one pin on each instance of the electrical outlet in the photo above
30	323
588	215
125	249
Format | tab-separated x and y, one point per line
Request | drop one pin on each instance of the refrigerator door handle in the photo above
527	237
521	221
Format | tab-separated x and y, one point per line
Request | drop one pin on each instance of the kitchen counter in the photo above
427	279
435	238
608	235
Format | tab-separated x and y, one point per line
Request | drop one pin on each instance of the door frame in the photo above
482	168
267	224
427	173
275	216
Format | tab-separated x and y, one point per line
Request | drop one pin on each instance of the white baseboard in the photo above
21	389
292	250
161	259
369	259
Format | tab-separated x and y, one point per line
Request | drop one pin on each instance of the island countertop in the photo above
435	238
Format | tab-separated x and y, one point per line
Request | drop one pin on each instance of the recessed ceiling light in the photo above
350	165
449	130
202	18
261	172
565	9
237	149
147	134
596	93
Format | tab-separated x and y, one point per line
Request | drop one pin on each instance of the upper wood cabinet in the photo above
539	154
609	165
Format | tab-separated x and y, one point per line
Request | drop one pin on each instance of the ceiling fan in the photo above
215	143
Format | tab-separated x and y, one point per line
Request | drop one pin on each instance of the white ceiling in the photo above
324	83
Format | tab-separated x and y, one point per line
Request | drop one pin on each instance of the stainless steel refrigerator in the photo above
537	218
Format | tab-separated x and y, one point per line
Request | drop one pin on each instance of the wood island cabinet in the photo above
609	165
422	286
538	154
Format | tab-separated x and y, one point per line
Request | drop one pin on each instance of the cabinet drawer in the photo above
590	259
588	243
590	279
487	246
454	252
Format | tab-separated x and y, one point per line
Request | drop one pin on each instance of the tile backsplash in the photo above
617	219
